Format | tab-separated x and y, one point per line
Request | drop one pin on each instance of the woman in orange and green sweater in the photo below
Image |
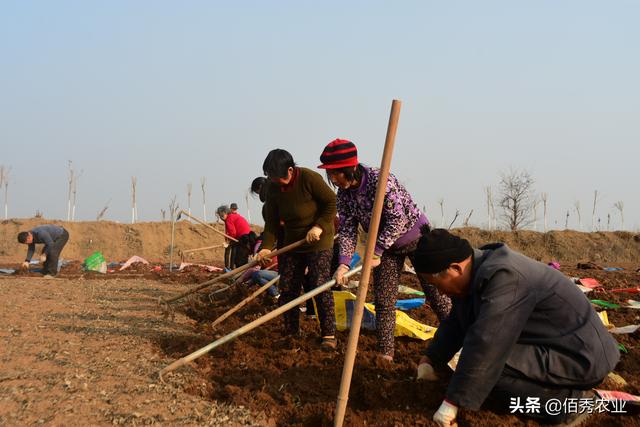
306	204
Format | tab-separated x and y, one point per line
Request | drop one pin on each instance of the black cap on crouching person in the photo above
437	249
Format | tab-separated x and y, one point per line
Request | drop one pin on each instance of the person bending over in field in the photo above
527	333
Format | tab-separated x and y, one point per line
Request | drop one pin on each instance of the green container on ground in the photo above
95	262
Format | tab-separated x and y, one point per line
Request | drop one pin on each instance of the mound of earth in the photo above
152	240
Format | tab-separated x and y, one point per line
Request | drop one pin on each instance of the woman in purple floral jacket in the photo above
398	235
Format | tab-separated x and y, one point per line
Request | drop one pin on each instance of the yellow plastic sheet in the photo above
405	325
605	319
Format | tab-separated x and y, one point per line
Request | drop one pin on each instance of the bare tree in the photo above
454	218
566	221
103	211
536	202
576	205
70	190
189	190
164	214
4	180
491	209
173	209
203	182
544	197
593	212
465	223
620	206
441	203
75	194
134	208
515	198
609	221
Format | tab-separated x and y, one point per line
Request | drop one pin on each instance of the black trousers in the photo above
229	259
239	255
53	254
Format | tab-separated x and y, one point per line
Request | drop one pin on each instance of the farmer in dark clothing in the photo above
299	200
54	238
526	331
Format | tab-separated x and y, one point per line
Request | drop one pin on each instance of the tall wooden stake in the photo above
356	320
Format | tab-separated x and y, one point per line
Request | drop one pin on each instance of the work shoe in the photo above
328	344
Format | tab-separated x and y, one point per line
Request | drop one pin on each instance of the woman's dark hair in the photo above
257	184
277	163
249	241
22	236
259	187
351	173
425	229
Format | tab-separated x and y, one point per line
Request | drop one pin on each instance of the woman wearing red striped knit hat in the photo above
397	238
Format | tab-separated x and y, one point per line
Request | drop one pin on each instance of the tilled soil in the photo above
88	352
87	349
294	382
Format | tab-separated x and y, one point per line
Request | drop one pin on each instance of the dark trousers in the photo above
53	254
292	278
513	388
239	254
229	256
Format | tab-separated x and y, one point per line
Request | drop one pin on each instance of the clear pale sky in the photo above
172	91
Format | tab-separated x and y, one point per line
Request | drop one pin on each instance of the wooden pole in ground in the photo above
232	273
250	326
356	320
245	301
182	212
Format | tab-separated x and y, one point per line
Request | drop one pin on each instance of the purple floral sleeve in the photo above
355	206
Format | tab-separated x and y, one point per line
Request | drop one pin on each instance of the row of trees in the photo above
516	198
520	204
172	204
